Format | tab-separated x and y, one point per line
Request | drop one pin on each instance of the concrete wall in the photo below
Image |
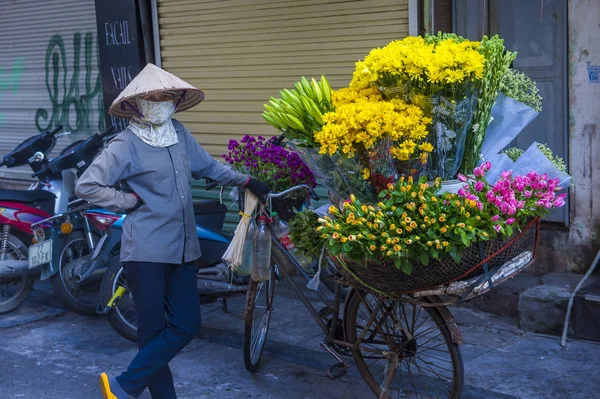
576	248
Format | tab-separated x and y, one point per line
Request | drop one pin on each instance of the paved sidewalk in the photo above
60	356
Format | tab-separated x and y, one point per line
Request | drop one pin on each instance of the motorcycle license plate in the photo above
40	254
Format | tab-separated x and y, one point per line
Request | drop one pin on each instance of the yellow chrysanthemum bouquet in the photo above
437	74
380	134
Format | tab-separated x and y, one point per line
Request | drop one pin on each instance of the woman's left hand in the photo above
258	188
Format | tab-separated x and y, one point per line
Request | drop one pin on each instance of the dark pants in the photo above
160	290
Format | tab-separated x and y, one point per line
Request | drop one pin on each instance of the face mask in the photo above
155	128
155	113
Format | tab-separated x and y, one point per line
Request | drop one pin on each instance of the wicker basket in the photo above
390	281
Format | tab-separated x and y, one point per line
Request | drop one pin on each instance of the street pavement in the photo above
46	352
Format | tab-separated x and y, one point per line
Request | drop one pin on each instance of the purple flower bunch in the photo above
512	200
264	160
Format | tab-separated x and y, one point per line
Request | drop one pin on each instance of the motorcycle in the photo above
19	209
71	237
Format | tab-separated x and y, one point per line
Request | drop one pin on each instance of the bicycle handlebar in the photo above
290	190
210	184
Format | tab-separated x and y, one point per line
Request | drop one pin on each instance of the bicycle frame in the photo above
330	318
286	261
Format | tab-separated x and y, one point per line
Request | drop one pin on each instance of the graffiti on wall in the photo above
78	107
10	79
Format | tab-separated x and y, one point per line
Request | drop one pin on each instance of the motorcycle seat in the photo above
26	196
209	207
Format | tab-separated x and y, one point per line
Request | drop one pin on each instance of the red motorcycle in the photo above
18	210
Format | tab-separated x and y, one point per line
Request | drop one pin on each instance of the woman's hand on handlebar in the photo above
258	188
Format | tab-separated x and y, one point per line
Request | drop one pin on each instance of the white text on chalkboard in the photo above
121	76
117	33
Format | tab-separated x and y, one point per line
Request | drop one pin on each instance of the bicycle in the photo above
403	347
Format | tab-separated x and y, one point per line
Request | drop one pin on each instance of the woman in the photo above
155	159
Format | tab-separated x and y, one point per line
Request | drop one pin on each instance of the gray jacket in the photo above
163	229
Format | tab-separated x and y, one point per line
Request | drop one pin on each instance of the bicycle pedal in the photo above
325	312
336	371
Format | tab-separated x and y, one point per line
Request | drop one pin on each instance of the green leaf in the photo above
509	230
424	258
455	254
464	239
407	267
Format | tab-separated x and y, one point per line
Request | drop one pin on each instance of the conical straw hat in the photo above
153	79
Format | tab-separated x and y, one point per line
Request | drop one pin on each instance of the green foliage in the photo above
515	153
517	85
303	232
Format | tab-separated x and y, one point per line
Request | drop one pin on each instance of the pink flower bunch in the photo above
512	199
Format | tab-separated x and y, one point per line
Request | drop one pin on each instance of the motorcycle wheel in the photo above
14	291
123	318
79	298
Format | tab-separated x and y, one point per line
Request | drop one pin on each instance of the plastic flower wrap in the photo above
536	157
509	118
342	176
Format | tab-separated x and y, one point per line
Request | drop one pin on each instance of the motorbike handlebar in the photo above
58	129
107	133
53	132
41	171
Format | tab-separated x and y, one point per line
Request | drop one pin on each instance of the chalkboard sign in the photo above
121	50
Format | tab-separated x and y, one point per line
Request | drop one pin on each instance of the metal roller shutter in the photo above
242	52
48	72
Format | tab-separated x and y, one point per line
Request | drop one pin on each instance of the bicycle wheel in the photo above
123	318
259	304
429	364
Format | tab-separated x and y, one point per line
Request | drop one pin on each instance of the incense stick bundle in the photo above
233	255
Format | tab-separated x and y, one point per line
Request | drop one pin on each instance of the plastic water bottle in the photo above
246	266
261	251
281	230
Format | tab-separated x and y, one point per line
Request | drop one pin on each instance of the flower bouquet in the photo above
438	74
272	164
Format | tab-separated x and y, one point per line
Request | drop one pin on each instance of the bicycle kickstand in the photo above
337	370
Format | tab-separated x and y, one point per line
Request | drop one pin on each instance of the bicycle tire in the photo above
115	317
252	353
456	388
